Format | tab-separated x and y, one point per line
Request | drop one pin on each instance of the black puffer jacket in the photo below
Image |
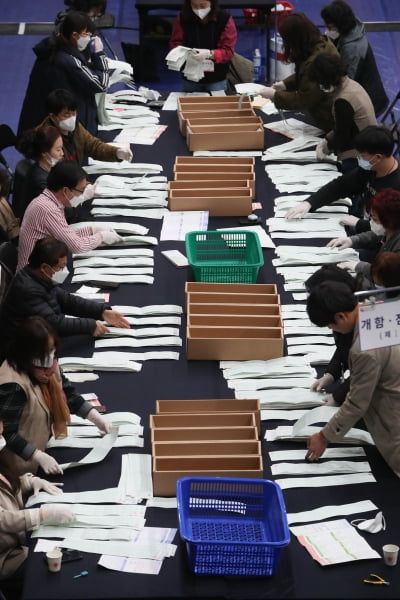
28	295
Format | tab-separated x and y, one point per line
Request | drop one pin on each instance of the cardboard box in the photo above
213	117
224	201
238	299
226	179
225	137
224	343
216	168
204	448
209	406
189	434
215	160
205	420
231	288
167	470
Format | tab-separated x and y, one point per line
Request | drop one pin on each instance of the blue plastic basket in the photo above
232	526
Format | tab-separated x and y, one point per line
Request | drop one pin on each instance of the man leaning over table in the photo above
374	393
36	290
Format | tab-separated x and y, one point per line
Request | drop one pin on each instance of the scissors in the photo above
377	580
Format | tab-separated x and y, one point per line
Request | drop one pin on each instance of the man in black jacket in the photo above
36	290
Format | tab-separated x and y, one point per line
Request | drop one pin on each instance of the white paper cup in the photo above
54	560
390	554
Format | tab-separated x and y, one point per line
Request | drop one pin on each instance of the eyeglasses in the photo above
78	190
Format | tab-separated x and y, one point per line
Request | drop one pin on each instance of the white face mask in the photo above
326	90
371	525
77	200
47	362
68	124
52	161
59	277
332	34
2	443
201	12
377	228
82	42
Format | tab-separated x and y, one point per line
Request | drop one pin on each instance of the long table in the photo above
297	576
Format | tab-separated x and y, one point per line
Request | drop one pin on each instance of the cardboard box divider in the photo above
215	168
189	434
219	202
208	185
231	288
210	406
221	298
167	470
215	160
179	420
239	310
225	137
204	448
224	116
247	321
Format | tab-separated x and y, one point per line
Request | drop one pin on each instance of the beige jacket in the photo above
8	221
14	522
35	423
374	395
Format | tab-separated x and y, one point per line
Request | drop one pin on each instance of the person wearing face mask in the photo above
72	60
16	520
94	9
78	143
45	216
385	273
377	169
348	35
43	146
37	290
374	393
36	399
211	32
352	109
302	42
384	236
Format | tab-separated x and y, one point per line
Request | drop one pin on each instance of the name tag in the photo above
208	65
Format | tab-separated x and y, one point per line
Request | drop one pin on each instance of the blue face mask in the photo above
364	164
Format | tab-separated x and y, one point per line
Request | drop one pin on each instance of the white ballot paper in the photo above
99	451
324	512
333	542
176	224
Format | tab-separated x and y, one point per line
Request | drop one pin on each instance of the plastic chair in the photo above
19	199
7	139
8	266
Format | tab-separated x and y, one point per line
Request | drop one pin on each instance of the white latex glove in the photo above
47	462
341	243
348	265
201	54
41	484
96	44
267	92
100	228
299	211
322	382
89	192
101	422
322	149
58	515
279	85
349	220
125	154
110	237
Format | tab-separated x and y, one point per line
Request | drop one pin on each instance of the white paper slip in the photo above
325	481
353	436
104	355
177	223
125	441
314	339
286	414
115	253
145	213
324	512
89	533
151	309
139	332
93	497
329	453
132	228
155	551
329	467
263	237
283	399
159	502
262	384
129	342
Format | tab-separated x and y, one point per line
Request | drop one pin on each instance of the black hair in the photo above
85	5
30	341
60	99
65	174
339	14
330	272
34	142
75	21
299	35
375	139
327	299
327	69
47	250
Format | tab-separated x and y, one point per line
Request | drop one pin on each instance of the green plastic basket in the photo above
224	256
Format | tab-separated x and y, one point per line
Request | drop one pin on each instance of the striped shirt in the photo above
45	217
